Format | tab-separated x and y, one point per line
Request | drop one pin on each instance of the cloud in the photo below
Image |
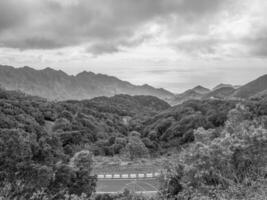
48	24
197	45
11	15
257	42
260	47
192	27
103	48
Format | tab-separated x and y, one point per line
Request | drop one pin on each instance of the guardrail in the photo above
129	175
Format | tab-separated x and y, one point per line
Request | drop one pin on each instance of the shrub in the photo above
234	157
136	148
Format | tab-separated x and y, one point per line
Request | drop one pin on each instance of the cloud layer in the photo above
106	26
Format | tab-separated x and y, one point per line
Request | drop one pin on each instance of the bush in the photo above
136	148
234	157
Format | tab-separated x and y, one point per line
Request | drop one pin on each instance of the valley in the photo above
133	100
124	144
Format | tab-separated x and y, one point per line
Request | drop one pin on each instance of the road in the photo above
145	185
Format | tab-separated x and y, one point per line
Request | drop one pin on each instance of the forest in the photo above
47	147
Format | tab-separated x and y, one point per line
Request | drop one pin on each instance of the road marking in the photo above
157	174
132	175
108	176
100	176
139	192
141	175
116	176
124	176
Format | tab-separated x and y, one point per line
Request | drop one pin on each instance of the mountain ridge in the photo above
220	93
194	93
58	85
252	88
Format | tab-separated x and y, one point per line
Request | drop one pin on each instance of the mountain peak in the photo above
26	67
85	73
56	84
252	88
48	69
222	85
200	89
146	86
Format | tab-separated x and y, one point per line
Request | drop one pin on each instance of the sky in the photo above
172	44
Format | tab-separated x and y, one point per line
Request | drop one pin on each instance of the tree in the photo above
225	159
136	148
61	124
82	160
82	182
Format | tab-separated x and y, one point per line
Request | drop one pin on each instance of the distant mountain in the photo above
201	90
57	85
222	85
255	89
252	88
195	93
220	93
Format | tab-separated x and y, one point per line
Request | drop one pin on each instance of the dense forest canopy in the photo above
48	146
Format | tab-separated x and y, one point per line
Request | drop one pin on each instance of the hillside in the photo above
175	126
128	105
57	85
78	122
106	123
252	88
41	139
194	93
201	90
222	85
220	93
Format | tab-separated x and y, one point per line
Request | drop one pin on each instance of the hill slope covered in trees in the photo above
48	146
252	88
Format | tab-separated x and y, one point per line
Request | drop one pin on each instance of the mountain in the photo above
195	93
220	93
222	85
201	90
252	88
176	125
57	85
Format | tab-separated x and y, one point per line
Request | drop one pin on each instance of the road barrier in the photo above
129	176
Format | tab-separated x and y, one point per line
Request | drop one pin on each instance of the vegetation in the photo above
175	126
225	164
47	148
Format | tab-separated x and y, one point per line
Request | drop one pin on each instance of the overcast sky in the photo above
175	44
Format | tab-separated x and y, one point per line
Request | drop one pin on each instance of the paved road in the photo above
118	185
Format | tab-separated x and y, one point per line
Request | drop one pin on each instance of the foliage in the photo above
32	156
46	148
136	148
230	161
175	126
